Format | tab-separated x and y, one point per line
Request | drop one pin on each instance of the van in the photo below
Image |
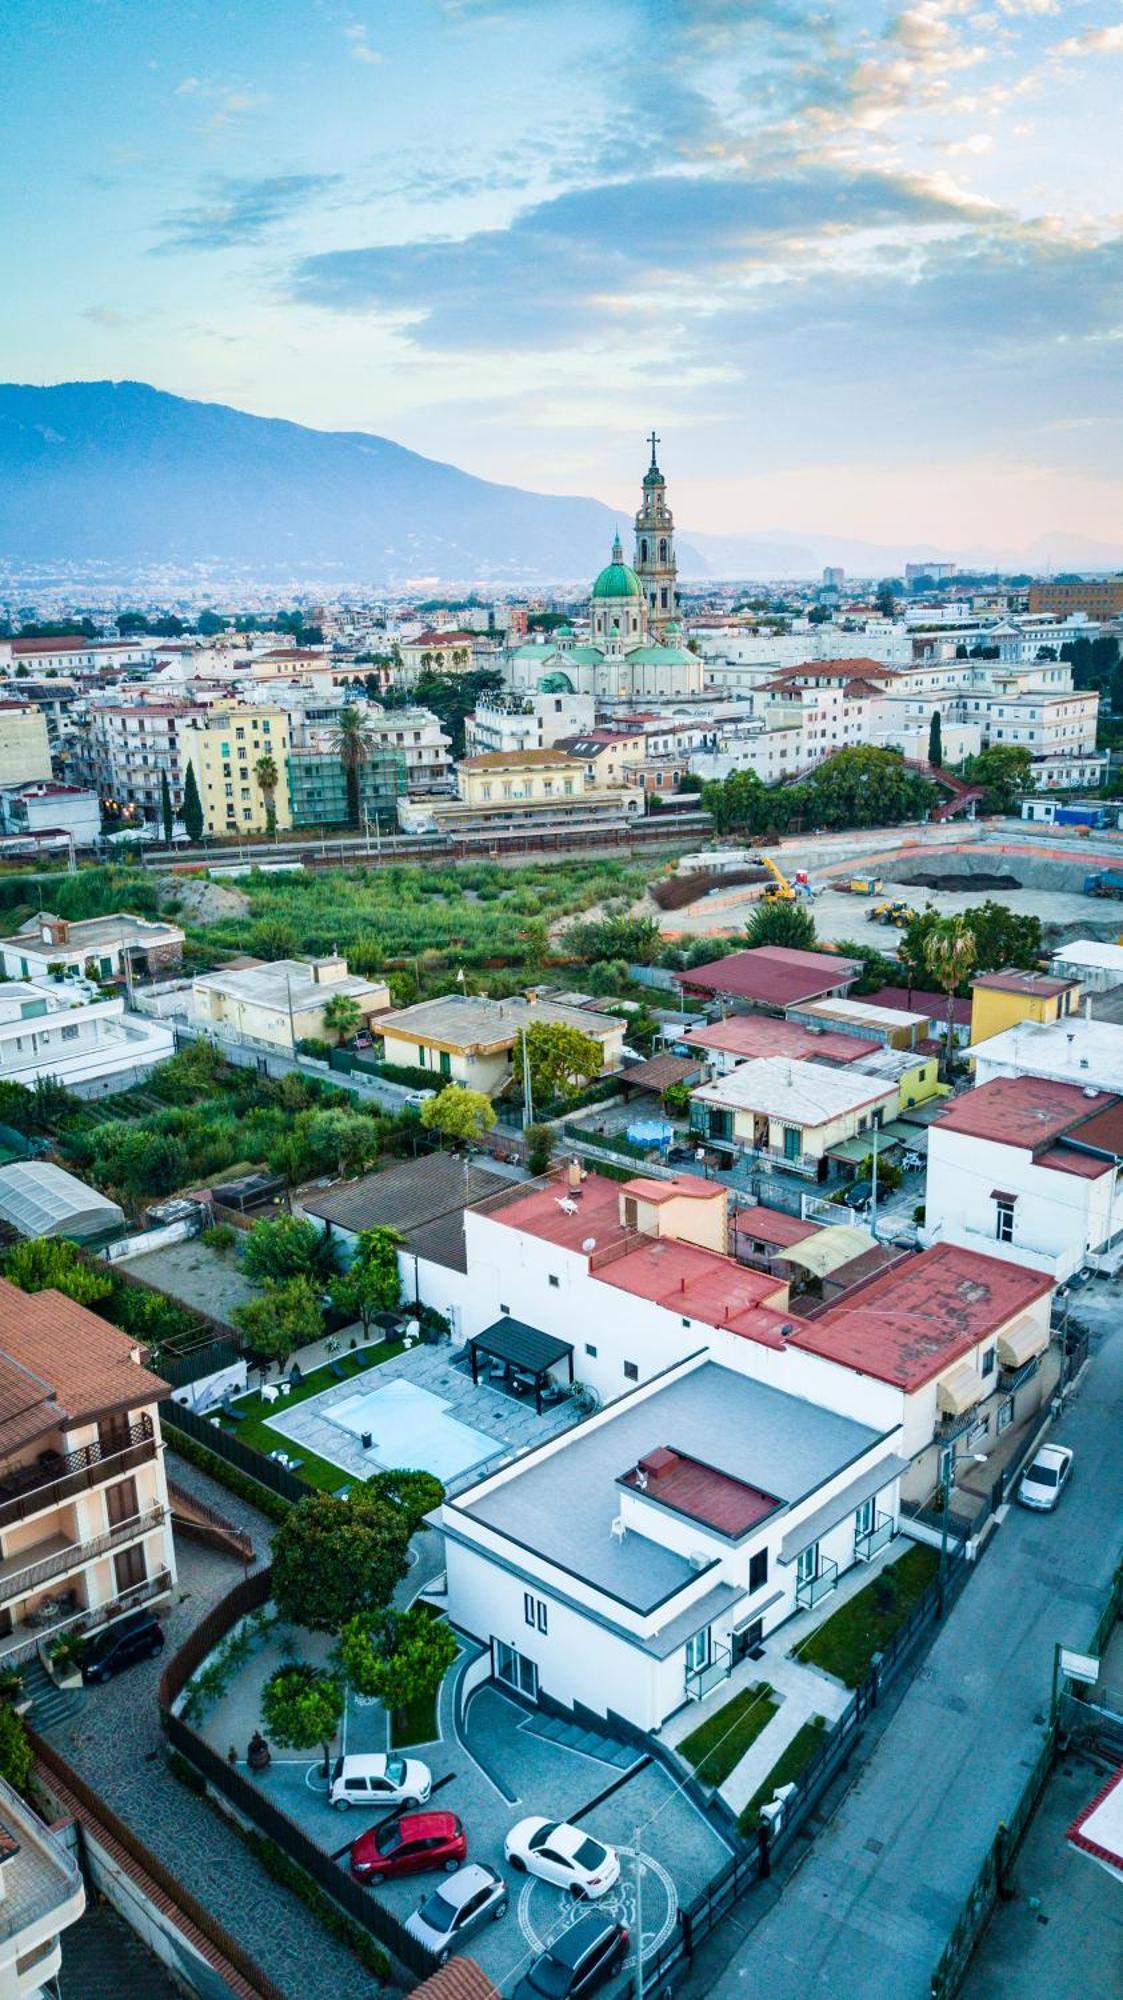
137	1637
416	1098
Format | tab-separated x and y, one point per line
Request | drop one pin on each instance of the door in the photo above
746	1641
129	1568
121	1502
807	1566
515	1670
863	1520
792	1142
698	1651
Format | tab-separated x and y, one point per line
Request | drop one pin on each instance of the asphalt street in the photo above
867	1914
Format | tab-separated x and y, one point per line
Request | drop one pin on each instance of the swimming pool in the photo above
408	1426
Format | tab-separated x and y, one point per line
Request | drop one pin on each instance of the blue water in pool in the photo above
410	1426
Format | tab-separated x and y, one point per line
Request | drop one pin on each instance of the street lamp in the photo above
951	1458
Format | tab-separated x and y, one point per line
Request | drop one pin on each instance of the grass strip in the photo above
844	1645
719	1743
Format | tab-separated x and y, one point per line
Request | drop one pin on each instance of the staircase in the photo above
962	795
193	1518
50	1704
571	1736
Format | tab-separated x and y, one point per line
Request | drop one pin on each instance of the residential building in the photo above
48	807
70	652
41	1894
99	948
932	1006
128	746
1096	598
226	747
25	752
624	1569
49	1028
453	652
283	1002
791	1113
505	722
1001	999
470	1040
1094	963
539	781
772	978
318	793
1028	1169
417	737
1075	1049
85	1528
890	1027
751	1037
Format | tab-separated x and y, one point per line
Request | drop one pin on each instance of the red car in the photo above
409	1846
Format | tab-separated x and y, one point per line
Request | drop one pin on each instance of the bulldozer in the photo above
899	914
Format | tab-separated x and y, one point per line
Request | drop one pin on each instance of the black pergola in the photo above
523	1349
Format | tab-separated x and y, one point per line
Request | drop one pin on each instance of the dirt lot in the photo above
199	1277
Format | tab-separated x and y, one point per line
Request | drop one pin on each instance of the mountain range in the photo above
125	476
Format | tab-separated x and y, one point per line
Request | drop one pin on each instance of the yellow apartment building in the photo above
225	748
1001	999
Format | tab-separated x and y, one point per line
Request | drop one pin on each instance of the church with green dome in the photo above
635	651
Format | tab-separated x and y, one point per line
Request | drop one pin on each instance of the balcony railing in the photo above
813	1589
701	1681
1010	1379
58	1475
76	1554
868	1545
22	1643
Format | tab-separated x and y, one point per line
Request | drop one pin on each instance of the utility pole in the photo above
528	1095
639	1912
873	1197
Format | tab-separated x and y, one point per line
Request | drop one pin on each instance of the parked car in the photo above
416	1098
379	1781
577	1962
1044	1481
447	1919
408	1846
363	1040
562	1854
137	1637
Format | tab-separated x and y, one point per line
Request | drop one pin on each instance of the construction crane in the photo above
780	890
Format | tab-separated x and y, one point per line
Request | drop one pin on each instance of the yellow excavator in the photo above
780	890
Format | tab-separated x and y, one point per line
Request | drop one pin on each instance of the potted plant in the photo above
258	1756
11	1690
62	1657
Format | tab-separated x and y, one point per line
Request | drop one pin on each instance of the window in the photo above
1004	1221
863	1519
758	1569
70	1034
129	1567
807	1565
555	1282
631	1371
225	748
534	1611
590	1350
1005	1415
986	1366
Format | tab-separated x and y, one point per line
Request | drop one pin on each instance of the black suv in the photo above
137	1637
579	1961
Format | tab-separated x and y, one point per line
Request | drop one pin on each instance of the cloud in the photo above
234	211
1093	42
361	49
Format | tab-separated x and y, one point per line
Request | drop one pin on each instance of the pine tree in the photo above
166	808
935	741
192	805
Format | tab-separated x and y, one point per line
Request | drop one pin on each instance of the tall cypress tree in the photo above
166	814
935	741
192	806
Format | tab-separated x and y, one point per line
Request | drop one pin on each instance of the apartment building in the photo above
125	747
41	1894
68	653
25	751
85	1528
1096	598
46	806
541	781
527	722
92	1046
226	747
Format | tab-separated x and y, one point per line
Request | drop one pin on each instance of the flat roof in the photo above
473	1022
757	1035
864	1010
85	932
910	1323
1098	1830
772	975
285	982
772	1225
1096	952
561	1507
568	1217
686	1486
802	1093
695	1283
911	1000
1024	982
1072	1049
1025	1111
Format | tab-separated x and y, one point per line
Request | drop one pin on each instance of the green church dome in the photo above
618	580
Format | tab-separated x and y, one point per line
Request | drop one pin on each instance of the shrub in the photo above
15	1749
235	1481
314	1048
222	1237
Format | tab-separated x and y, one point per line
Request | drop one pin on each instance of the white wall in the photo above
1058	1217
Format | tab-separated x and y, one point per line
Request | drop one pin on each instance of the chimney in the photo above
574	1176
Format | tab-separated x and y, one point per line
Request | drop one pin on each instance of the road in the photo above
868	1913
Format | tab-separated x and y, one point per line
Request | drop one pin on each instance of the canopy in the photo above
830	1248
525	1349
1021	1342
860	1147
960	1391
40	1199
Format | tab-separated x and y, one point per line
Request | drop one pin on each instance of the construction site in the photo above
863	885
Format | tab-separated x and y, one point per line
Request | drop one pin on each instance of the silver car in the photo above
445	1920
1044	1481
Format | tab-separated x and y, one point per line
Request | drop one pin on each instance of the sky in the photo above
860	265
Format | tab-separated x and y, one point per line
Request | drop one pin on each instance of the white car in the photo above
379	1781
1044	1481
562	1854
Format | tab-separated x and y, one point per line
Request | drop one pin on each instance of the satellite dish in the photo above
589	1244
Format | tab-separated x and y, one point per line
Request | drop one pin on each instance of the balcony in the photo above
59	1475
22	1643
701	1681
812	1589
870	1544
29	1570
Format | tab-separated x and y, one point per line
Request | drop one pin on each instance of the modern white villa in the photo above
93	1047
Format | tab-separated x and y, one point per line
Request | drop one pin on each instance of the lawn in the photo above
719	1743
846	1643
787	1770
255	1430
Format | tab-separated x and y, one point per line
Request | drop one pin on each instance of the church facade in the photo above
636	648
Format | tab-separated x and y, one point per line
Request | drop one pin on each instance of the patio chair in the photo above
340	1372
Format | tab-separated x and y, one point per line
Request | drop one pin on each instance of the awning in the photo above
1021	1342
857	1149
526	1349
997	1194
1098	1830
839	1243
872	1482
913	1136
960	1391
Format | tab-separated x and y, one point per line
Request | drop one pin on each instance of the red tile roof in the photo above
1025	982
771	1225
1103	1129
840	669
690	1187
699	1284
772	975
758	1035
908	1325
913	1001
688	1487
87	1362
1026	1111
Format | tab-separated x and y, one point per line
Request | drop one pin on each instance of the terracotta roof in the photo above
910	1000
840	669
491	760
1104	1129
460	1979
772	975
761	1035
689	1186
1032	983
686	1486
92	1370
909	1324
661	1072
28	1408
771	1225
1026	1111
696	1284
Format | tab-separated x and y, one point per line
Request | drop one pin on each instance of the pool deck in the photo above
510	1426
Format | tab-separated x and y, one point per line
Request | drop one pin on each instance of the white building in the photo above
1028	1169
1071	1050
49	1029
41	1895
90	947
283	1002
49	808
130	745
1095	963
469	1039
527	722
25	752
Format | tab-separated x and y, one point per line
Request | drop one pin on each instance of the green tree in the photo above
634	939
414	1493
334	1560
790	924
16	1755
399	1657
935	741
167	818
740	803
41	1109
347	1142
1002	938
562	1060
192	806
140	1162
864	786
285	1317
950	955
458	1114
540	1144
877	970
301	1708
52	1264
343	1017
888	590
354	745
286	1246
1005	772
268	777
373	1282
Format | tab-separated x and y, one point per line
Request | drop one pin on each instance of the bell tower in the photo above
655	563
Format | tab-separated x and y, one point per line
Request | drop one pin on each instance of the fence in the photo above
179	1370
253	1464
248	1799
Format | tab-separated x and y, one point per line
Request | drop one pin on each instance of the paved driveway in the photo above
868	1913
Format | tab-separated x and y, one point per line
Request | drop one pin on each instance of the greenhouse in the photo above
39	1199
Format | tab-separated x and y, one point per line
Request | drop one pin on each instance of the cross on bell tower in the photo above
655	548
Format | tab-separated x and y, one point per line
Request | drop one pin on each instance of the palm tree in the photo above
343	1016
268	777
949	954
353	745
